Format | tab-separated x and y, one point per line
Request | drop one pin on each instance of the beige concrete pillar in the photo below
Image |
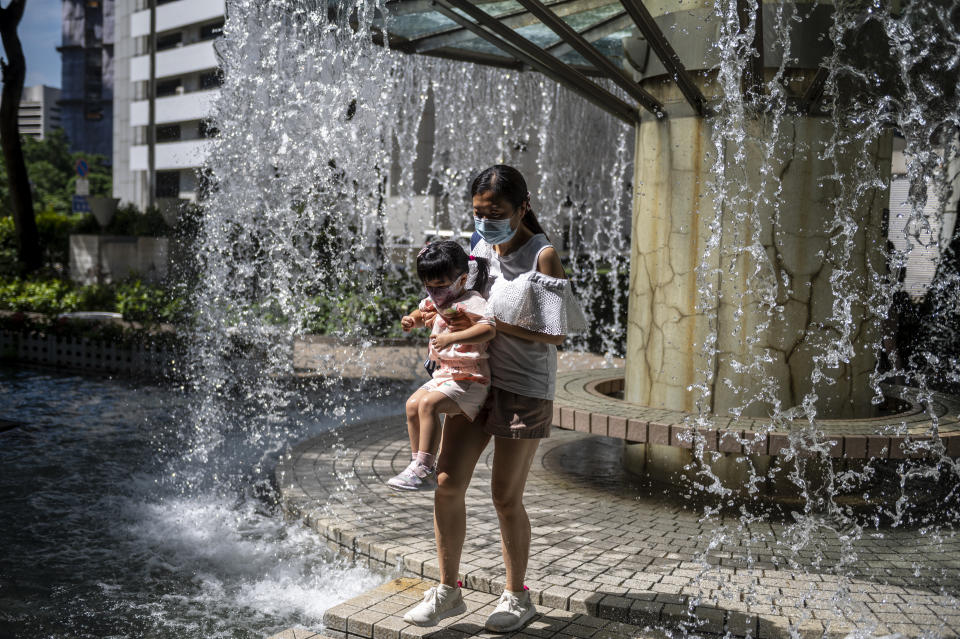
672	214
672	217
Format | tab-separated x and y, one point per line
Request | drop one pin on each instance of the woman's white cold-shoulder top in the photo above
520	295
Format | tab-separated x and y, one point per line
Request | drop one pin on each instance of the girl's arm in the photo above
476	334
412	321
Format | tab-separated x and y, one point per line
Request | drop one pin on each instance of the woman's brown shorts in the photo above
507	414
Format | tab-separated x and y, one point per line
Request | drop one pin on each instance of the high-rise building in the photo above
186	81
39	113
86	50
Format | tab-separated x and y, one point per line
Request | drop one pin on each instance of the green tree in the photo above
53	175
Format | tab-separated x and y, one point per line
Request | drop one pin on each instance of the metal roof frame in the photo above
519	52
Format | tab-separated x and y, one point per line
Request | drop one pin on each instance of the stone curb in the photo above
584	403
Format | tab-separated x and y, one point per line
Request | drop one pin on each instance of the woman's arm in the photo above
548	263
476	334
527	334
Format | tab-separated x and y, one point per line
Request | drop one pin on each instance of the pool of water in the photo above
103	537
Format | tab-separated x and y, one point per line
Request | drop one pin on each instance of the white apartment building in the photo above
187	82
39	113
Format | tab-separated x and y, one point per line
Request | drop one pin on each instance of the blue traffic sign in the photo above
82	168
80	204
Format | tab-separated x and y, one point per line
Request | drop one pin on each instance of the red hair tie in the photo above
471	258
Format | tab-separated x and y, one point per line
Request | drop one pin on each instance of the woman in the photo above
534	308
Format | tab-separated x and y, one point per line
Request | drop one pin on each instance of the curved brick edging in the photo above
611	549
583	403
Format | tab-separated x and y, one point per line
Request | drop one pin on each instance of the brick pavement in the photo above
608	547
378	614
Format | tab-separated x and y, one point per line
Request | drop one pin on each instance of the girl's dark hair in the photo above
447	259
506	182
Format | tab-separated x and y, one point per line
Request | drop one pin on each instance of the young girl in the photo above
461	380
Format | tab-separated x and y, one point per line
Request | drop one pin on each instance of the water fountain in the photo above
760	285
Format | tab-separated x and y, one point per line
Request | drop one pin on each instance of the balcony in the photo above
177	14
178	108
193	57
187	154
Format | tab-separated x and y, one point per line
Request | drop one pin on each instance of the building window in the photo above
211	31
168	133
93	116
169	41
168	183
210	80
169	87
206	129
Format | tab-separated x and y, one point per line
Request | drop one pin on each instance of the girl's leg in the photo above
429	407
462	443
511	464
413	419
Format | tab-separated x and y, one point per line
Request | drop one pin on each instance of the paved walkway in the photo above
378	614
608	547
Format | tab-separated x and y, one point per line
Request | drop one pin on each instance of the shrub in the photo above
128	220
135	300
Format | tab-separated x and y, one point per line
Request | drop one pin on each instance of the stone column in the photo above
673	210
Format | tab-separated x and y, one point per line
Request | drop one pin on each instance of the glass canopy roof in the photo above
572	41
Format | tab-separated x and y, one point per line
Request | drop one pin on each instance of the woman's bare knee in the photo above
508	503
450	485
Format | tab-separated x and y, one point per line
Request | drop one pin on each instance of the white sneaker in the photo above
414	477
511	613
438	603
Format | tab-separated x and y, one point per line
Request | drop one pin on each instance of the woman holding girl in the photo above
534	309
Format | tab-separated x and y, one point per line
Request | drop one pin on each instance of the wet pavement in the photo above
611	548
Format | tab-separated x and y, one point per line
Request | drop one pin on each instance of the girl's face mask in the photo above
443	296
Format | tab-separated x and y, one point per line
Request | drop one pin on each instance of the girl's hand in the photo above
427	317
461	320
440	342
407	323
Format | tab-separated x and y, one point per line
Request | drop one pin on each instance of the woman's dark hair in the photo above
447	259
506	182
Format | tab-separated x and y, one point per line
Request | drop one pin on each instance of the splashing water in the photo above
319	127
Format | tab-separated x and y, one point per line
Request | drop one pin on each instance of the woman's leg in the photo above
462	443
511	464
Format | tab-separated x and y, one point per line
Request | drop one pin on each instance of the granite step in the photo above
298	633
378	614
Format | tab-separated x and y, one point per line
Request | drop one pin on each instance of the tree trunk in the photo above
14	73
